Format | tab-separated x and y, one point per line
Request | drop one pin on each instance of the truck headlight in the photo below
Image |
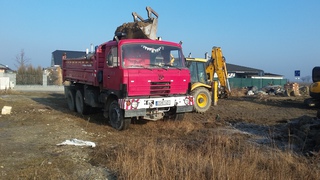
134	104
186	101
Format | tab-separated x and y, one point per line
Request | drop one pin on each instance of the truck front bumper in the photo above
134	107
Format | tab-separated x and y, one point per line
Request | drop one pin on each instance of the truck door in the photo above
112	73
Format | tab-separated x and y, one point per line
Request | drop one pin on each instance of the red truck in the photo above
130	78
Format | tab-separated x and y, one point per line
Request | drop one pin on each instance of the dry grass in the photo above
8	91
201	154
195	148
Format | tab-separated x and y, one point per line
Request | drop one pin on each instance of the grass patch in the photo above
209	156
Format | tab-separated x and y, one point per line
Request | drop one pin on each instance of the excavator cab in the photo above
197	69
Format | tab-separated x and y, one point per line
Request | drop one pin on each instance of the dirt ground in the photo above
41	120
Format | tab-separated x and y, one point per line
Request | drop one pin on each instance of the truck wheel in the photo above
70	100
116	117
202	99
81	106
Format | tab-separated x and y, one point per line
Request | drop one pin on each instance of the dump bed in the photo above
80	70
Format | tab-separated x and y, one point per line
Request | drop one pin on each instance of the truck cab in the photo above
144	68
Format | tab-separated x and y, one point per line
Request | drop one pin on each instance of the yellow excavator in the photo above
314	89
205	88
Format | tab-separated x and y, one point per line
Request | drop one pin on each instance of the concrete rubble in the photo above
6	110
289	89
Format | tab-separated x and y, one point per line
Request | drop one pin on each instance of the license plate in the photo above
163	103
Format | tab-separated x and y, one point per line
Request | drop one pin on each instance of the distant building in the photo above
241	76
236	71
56	58
5	69
7	77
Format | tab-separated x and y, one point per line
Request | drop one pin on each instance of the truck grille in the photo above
160	88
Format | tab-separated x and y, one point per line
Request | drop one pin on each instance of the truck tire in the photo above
81	106
116	117
70	100
202	99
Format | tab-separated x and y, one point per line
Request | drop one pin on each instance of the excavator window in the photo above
198	74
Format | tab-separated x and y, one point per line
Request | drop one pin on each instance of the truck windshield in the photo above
151	56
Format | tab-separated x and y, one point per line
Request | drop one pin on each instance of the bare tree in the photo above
306	79
21	60
26	73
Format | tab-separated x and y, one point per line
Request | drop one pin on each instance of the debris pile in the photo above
289	89
267	90
305	134
292	89
273	90
300	135
140	28
133	30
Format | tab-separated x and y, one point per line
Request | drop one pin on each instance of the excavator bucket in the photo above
141	28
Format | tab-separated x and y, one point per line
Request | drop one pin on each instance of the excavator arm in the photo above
217	64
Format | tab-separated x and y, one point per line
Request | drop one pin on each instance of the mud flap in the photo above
181	109
135	113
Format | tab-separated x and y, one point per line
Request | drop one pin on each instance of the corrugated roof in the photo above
3	66
271	74
232	68
57	55
6	68
237	68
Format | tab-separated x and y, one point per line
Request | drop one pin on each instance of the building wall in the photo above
12	78
247	82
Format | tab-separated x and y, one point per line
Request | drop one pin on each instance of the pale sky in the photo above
277	36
